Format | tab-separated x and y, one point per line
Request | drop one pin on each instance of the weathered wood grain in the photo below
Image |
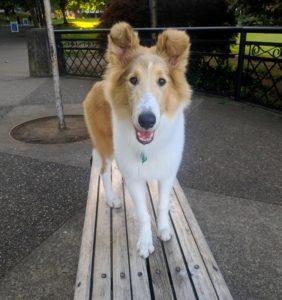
180	278
158	268
118	272
102	253
121	273
209	260
138	270
83	277
199	274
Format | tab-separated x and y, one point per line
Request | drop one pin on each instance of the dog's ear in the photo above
174	46
122	43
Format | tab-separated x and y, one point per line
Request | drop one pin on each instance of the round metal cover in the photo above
46	130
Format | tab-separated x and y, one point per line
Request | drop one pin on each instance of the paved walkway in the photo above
231	173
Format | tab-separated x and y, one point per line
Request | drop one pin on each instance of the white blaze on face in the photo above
148	102
145	101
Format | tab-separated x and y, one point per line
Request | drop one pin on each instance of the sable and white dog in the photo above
135	115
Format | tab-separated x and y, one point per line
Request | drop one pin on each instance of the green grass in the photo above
89	23
265	37
258	37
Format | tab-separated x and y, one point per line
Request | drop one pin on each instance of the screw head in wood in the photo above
103	275
122	275
196	267
139	274
177	269
158	271
215	268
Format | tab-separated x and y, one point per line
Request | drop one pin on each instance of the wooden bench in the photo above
110	267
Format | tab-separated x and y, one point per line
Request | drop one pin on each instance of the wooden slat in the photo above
121	274
83	277
138	270
111	258
180	278
200	276
158	267
102	255
211	265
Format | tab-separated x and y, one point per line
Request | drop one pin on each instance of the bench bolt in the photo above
158	271
103	275
196	267
139	274
177	269
122	275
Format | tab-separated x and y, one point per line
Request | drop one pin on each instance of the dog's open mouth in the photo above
145	136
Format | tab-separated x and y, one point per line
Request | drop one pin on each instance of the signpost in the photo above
14	26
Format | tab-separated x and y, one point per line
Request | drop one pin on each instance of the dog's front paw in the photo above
114	202
165	234
145	245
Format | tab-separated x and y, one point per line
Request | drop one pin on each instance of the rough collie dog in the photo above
135	115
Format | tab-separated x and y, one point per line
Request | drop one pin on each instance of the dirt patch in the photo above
46	130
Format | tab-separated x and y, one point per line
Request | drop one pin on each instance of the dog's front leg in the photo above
165	186
138	192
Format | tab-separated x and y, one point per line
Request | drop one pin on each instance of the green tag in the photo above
143	157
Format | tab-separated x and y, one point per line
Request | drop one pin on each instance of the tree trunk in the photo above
153	12
32	9
63	10
55	69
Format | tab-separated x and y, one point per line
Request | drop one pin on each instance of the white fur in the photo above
111	199
163	158
147	103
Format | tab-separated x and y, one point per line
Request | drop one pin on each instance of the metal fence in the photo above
229	61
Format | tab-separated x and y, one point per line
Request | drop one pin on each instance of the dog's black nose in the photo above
147	120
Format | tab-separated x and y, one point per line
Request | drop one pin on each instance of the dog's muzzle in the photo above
147	121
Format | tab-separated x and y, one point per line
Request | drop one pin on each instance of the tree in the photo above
257	12
76	5
62	5
169	13
10	6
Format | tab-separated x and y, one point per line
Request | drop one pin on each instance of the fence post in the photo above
60	54
240	66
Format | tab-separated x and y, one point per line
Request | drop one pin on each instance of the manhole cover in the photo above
46	131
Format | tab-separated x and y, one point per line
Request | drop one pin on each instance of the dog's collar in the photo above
143	157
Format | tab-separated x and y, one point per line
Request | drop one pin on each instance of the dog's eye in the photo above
161	81
133	80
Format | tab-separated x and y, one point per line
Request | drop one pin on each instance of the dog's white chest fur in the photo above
156	160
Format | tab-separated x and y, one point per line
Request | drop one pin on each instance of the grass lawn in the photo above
258	37
89	23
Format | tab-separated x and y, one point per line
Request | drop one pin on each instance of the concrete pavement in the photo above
231	173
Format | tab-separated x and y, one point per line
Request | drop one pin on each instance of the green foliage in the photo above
257	12
9	6
220	78
169	13
217	79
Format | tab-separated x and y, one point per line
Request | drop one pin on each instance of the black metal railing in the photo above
223	60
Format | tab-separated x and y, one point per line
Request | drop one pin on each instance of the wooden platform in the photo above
110	267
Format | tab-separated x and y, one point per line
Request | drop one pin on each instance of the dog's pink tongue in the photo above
145	135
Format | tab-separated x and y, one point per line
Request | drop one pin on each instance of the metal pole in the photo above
240	66
55	69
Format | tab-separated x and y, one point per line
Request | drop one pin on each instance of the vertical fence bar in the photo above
240	66
60	54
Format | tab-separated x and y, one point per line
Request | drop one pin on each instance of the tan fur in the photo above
126	58
97	113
